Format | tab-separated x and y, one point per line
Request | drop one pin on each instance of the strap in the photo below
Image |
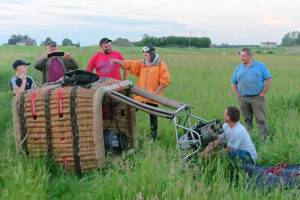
32	101
23	123
48	121
73	113
59	101
120	86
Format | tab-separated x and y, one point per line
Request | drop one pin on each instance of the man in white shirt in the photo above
240	145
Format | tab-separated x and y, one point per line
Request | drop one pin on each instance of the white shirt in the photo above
239	138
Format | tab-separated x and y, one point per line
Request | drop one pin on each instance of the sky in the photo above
87	21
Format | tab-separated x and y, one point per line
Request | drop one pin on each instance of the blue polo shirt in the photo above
250	81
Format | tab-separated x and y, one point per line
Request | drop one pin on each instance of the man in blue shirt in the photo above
250	83
21	81
239	144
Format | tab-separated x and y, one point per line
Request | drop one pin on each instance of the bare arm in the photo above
120	62
234	89
228	148
211	146
125	73
266	88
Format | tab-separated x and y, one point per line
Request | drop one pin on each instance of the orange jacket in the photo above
149	77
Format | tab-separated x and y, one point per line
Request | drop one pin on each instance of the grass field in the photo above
200	77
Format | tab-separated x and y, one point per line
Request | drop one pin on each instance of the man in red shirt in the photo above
104	67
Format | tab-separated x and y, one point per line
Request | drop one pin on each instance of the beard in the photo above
107	51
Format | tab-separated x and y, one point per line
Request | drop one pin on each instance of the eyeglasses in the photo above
145	49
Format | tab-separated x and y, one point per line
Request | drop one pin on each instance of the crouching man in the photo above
239	144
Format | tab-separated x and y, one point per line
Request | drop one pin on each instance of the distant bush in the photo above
198	42
122	42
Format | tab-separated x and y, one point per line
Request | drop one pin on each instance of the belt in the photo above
250	95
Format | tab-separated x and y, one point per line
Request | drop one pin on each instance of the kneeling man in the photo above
240	145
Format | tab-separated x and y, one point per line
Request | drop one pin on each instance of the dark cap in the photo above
148	48
51	43
19	62
104	41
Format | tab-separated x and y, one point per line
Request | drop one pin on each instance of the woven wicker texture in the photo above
62	140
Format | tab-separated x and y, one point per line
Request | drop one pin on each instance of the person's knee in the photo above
233	153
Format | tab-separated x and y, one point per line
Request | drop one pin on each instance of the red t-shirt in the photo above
104	68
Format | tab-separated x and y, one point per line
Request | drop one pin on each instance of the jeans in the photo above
238	154
242	155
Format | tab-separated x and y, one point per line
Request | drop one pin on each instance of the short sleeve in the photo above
121	56
12	83
33	84
266	73
234	77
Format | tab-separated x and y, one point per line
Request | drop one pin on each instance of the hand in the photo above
22	76
262	94
68	56
116	61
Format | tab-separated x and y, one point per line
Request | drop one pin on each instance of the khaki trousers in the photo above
254	106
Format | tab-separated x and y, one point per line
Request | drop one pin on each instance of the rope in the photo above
76	147
23	127
275	170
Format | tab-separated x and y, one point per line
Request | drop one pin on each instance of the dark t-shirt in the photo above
15	81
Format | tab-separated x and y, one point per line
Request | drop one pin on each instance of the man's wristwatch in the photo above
157	91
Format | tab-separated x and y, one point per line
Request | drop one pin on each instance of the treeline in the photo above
180	41
65	42
291	39
19	37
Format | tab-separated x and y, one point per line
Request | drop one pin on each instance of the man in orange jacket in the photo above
153	76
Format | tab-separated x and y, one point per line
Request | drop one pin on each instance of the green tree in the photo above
46	40
19	37
67	42
291	39
297	40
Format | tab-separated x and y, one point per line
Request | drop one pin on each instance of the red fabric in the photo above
32	101
120	86
105	111
104	68
65	161
59	101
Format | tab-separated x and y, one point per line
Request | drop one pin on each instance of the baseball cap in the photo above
104	41
148	48
51	43
19	62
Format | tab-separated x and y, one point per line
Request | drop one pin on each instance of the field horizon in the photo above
199	77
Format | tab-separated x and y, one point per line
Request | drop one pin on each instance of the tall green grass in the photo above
200	77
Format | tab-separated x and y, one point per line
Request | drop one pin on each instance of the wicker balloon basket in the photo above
67	123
